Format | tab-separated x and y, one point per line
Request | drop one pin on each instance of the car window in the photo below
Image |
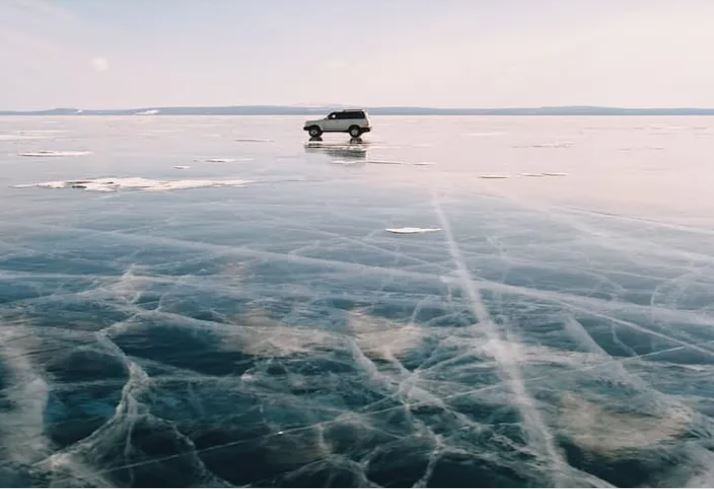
350	115
332	116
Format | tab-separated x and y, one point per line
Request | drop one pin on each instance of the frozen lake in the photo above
457	301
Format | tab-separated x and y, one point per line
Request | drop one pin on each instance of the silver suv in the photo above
352	121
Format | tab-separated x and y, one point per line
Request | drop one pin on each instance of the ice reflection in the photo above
356	148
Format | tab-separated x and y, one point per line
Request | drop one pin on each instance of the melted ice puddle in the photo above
55	153
409	230
135	183
182	167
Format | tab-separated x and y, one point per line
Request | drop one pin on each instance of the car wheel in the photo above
315	131
355	131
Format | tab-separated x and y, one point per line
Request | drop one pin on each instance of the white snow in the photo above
227	160
412	230
135	183
40	154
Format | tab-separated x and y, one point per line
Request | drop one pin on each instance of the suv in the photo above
353	121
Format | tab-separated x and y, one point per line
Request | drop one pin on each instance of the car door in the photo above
331	122
343	121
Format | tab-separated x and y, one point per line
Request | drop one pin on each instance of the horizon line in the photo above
276	109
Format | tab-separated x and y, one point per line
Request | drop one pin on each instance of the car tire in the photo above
355	131
314	131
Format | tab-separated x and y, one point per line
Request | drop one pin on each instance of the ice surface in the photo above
526	332
347	162
485	134
549	145
20	137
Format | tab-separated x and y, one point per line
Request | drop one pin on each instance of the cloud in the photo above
100	64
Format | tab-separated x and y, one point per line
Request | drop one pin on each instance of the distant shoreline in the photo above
400	110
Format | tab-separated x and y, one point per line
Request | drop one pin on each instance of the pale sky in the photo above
446	53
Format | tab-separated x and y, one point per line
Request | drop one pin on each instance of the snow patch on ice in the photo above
387	162
135	183
553	145
395	162
545	174
41	154
411	230
227	160
220	160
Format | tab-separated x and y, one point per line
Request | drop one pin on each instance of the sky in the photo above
447	53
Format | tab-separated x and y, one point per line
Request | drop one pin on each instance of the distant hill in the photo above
293	110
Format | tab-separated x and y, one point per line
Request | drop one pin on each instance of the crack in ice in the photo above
506	355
